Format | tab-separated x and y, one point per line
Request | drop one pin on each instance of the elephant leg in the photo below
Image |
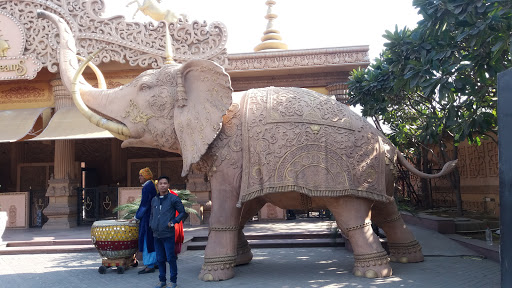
353	218
243	250
221	253
403	246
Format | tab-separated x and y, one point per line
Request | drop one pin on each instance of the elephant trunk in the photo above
447	168
71	72
68	62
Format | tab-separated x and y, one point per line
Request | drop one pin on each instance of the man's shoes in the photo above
161	285
173	285
147	270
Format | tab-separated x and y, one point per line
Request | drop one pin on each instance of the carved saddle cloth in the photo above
296	139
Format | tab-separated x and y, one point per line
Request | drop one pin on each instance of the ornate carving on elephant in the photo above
270	145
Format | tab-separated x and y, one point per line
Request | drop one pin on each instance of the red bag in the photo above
178	231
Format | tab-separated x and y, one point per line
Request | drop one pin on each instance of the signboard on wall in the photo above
13	64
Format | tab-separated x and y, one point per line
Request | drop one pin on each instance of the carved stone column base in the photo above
61	222
62	207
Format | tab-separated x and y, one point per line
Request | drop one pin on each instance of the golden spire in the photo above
271	39
168	46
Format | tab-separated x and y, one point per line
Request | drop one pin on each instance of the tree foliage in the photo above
437	82
441	76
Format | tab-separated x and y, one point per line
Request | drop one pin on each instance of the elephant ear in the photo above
199	110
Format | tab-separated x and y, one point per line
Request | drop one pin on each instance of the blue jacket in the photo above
143	214
161	216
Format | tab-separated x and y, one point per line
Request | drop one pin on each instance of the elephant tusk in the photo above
118	130
102	84
101	79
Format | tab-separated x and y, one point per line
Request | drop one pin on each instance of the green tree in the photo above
435	85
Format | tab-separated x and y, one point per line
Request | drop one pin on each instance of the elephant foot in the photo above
409	252
217	268
244	254
374	265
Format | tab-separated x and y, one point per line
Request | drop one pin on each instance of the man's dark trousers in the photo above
164	248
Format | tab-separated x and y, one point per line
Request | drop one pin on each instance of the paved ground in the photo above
447	264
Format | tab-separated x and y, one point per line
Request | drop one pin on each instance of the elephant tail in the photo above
447	168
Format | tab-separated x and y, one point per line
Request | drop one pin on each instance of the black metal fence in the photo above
96	203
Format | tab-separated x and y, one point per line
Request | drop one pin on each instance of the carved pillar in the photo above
62	207
64	159
61	94
340	91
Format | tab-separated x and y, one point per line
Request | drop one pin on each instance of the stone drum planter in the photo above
117	243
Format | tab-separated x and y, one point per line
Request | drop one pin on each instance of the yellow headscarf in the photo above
146	172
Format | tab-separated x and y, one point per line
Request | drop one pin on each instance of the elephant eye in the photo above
144	87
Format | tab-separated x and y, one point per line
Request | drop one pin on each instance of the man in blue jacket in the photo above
163	218
146	242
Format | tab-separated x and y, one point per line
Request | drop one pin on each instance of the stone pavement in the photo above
447	264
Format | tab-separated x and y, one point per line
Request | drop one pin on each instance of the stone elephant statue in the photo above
291	147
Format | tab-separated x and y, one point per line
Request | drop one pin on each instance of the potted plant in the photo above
3	224
187	198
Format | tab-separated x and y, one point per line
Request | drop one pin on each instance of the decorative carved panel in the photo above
476	161
16	205
298	58
14	65
478	170
139	44
300	80
491	159
127	195
32	94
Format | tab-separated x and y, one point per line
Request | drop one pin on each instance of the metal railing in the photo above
96	203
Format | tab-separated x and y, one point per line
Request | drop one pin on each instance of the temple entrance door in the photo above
95	202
